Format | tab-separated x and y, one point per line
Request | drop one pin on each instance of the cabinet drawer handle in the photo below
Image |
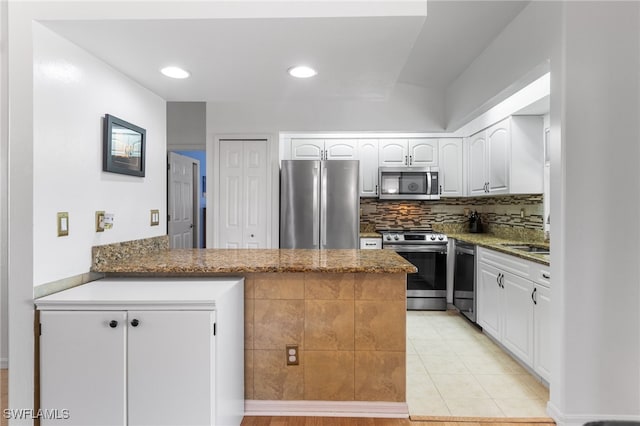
135	322
113	323
545	275
533	296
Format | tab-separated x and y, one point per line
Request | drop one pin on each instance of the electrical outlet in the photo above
522	213
155	217
100	221
63	224
292	355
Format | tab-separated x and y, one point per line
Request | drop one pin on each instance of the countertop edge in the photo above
495	244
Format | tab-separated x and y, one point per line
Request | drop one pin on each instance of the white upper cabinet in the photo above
340	149
307	149
423	152
321	149
419	152
507	158
477	146
368	156
393	153
450	161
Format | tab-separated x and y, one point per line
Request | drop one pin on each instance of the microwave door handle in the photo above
428	183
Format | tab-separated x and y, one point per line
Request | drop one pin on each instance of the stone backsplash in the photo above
513	216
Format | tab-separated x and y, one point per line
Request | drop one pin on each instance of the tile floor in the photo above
455	370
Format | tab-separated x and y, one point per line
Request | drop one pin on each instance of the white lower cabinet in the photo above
514	309
143	352
542	332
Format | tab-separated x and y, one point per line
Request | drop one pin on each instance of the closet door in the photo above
243	194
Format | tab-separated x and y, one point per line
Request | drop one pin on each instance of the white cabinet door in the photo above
83	366
499	157
450	162
368	155
542	332
489	299
170	364
341	149
393	153
243	192
477	145
423	152
517	308
307	149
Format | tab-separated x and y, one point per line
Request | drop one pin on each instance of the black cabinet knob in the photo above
135	322
113	323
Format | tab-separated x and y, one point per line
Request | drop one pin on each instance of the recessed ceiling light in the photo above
175	72
302	71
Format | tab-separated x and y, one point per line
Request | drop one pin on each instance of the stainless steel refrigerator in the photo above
319	204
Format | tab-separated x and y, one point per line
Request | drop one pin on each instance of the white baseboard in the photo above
580	419
4	363
326	408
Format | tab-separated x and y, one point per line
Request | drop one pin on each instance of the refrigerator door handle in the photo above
323	204
316	219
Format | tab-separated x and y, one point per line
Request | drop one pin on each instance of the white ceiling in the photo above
239	60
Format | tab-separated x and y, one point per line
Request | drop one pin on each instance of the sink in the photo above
528	248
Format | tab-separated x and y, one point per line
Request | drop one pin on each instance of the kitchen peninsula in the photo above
343	309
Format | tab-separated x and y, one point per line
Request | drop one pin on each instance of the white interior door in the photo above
180	199
243	194
255	190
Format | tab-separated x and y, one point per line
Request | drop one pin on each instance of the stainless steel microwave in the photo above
409	183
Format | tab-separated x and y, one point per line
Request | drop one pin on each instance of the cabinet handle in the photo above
406	163
440	189
376	189
533	296
545	275
326	154
498	280
411	159
135	322
113	323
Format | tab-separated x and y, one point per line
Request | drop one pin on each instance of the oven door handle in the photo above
417	248
464	250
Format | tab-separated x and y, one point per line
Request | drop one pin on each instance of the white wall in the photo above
186	125
72	92
515	58
4	134
594	52
409	108
599	91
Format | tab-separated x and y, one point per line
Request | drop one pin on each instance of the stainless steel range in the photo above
427	251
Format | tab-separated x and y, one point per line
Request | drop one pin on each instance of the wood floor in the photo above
342	421
348	421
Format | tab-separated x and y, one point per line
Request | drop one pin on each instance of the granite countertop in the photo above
493	242
370	234
213	261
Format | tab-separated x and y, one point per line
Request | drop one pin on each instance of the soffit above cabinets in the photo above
361	50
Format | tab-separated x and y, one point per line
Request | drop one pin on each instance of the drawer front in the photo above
505	262
370	243
541	274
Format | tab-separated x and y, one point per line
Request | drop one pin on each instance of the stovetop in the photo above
412	237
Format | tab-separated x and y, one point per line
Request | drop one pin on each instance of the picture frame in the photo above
123	147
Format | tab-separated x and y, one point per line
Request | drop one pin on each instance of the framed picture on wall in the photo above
123	147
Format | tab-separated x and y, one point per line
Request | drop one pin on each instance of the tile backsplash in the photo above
519	216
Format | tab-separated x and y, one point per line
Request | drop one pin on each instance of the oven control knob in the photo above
396	237
388	237
433	237
441	237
